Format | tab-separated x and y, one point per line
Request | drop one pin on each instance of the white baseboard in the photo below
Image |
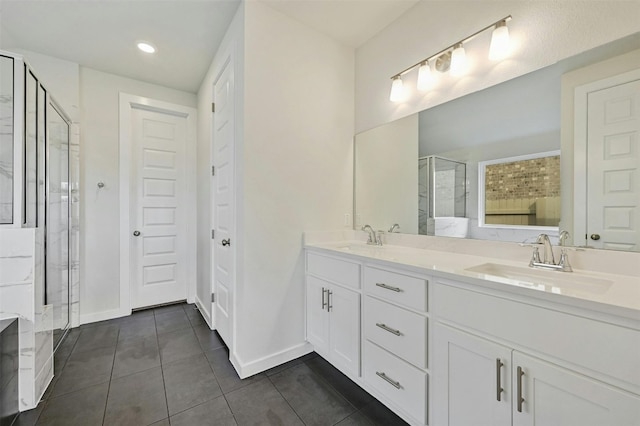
104	315
205	312
258	366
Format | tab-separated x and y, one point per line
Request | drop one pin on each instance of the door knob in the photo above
595	237
226	242
136	233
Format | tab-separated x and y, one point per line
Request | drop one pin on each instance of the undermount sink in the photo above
542	279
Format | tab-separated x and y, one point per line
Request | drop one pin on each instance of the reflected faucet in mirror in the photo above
394	227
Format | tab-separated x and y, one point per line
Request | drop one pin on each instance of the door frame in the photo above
580	136
127	104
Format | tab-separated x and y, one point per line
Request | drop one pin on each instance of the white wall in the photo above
232	47
543	32
100	222
386	176
297	173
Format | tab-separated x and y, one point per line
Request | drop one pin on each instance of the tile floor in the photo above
164	366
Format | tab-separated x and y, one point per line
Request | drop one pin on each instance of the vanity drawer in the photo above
401	332
334	270
402	383
397	288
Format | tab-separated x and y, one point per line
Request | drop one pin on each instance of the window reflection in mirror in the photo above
520	191
6	140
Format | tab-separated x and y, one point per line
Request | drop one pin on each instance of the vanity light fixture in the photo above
146	47
453	59
397	89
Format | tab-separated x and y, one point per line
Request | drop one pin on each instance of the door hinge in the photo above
213	107
213	170
213	234
213	298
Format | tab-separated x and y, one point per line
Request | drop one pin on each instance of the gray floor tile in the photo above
29	418
81	408
189	382
280	368
196	319
227	377
215	413
172	321
178	345
139	328
209	339
135	355
85	369
163	422
356	419
137	399
315	401
261	404
353	393
169	308
97	337
380	415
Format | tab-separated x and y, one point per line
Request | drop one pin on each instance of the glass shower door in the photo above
57	227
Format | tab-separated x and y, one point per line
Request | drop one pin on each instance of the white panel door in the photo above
223	204
613	163
471	380
555	396
159	187
344	328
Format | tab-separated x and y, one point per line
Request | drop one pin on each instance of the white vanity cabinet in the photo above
516	378
333	311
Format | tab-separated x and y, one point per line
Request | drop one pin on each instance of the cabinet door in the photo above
555	396
344	317
317	315
471	379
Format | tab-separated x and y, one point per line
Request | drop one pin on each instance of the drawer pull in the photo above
323	301
388	287
389	329
388	380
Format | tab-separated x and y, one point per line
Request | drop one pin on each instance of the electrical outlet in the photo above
347	219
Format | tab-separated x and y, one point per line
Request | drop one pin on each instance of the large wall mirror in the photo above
556	149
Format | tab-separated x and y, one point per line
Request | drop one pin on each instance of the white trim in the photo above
481	193
270	361
104	315
581	95
205	315
127	103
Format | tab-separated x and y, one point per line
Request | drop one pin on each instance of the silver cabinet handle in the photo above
499	389
388	380
329	305
226	242
519	395
323	301
136	233
388	287
389	329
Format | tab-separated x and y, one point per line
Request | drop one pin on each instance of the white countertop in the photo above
605	292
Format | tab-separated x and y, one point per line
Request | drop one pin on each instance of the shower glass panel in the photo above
442	191
57	234
30	150
6	140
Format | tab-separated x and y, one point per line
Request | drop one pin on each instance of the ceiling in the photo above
101	34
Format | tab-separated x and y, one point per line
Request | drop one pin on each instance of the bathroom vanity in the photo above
449	338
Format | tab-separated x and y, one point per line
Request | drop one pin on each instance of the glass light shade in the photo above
499	48
397	90
458	61
425	77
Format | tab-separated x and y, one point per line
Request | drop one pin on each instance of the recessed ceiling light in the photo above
146	47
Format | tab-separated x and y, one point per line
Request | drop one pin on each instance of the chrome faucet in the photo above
548	260
394	227
373	238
